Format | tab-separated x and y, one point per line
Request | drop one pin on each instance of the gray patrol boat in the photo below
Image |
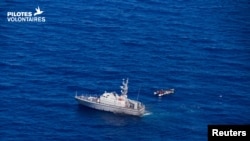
112	102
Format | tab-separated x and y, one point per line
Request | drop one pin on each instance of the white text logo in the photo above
26	16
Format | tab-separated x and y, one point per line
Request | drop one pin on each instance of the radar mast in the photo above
124	87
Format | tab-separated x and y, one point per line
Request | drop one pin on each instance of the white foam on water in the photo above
147	113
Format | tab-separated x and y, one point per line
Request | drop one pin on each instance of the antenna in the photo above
138	93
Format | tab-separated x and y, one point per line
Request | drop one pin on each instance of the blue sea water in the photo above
200	48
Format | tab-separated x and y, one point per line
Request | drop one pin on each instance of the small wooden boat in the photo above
164	92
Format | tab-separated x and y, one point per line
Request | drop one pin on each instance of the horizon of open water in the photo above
199	48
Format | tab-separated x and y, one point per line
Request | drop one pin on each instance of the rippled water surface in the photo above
200	48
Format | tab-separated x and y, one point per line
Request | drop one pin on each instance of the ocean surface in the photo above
200	48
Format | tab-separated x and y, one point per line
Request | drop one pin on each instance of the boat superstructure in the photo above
113	102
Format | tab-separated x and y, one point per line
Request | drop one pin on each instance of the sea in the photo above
201	48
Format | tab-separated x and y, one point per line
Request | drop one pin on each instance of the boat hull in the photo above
110	108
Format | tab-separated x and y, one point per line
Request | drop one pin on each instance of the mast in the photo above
124	87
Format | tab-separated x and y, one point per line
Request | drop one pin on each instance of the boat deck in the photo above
89	98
